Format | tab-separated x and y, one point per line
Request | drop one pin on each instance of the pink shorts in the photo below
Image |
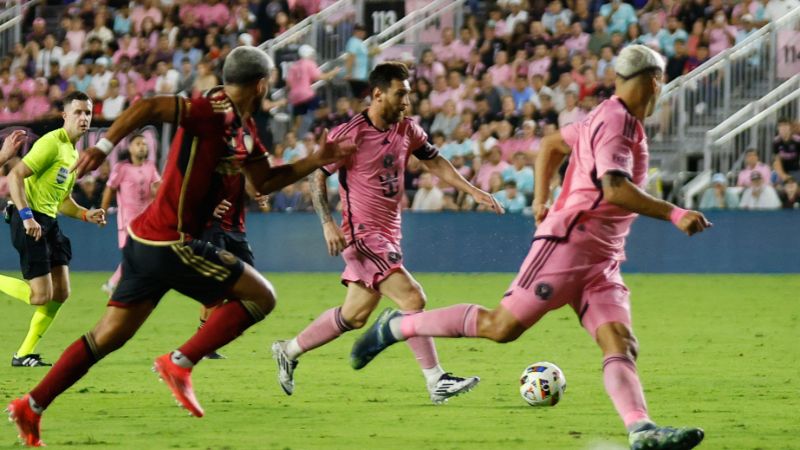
558	273
122	237
370	259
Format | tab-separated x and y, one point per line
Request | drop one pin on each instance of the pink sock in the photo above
454	321
114	280
623	386
423	349
325	328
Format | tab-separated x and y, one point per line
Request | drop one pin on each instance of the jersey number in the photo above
390	184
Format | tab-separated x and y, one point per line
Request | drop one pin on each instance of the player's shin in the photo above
325	328
453	321
225	324
623	386
73	364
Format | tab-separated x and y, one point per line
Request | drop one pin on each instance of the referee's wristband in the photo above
83	215
26	213
105	145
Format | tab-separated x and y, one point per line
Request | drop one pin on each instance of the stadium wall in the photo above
739	242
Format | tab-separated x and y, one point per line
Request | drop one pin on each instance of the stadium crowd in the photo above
486	93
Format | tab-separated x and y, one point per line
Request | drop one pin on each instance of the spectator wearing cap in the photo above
790	196
759	195
299	78
38	32
510	198
145	9
718	196
357	62
101	78
555	12
114	103
786	151
752	163
619	16
186	50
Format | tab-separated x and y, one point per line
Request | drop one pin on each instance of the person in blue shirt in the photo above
357	63
510	198
522	92
188	51
619	15
520	173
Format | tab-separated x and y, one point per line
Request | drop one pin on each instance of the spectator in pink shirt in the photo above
720	34
505	140
540	64
145	9
752	164
501	71
128	46
23	82
429	68
6	82
474	67
462	48
443	51
527	141
578	40
76	34
440	93
571	112
13	111
212	12
491	163
37	104
299	78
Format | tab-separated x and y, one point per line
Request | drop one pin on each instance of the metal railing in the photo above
11	17
705	97
327	31
758	132
725	159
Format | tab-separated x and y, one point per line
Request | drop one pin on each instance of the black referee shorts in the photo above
194	268
36	258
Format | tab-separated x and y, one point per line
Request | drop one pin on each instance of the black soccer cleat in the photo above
31	360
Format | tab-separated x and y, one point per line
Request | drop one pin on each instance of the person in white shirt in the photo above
428	196
48	54
101	78
571	112
759	195
778	8
167	79
114	104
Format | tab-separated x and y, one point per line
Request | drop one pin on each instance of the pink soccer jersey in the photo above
610	139
134	189
371	179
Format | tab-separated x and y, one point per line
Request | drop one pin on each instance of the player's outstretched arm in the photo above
620	191
69	208
157	109
11	145
552	151
442	168
268	179
334	238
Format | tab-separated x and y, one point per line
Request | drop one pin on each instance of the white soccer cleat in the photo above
449	386
286	366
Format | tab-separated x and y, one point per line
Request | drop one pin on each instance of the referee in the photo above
40	187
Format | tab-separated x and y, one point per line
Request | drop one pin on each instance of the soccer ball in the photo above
542	384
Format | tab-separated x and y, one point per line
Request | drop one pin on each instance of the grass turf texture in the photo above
718	352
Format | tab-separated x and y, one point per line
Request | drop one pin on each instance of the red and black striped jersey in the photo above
210	148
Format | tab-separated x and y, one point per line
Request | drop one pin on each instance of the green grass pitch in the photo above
720	352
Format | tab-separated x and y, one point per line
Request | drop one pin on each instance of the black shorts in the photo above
301	109
194	268
36	258
232	241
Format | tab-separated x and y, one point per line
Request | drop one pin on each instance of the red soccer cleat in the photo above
27	421
179	380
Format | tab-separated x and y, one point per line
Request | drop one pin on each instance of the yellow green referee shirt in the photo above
50	159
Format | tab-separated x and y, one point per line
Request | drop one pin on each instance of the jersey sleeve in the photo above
196	115
339	132
155	177
570	134
41	156
115	178
613	148
418	142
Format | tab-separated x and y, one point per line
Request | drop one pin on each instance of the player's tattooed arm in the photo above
319	197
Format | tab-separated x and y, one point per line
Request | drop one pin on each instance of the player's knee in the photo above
415	301
493	326
42	296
